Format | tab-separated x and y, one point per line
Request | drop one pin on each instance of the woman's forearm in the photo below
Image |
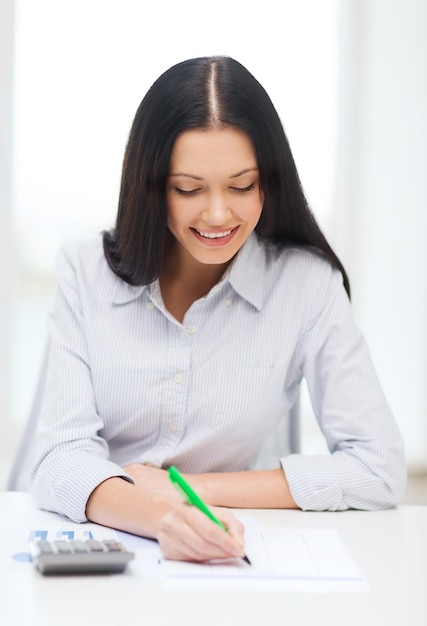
256	489
139	509
119	504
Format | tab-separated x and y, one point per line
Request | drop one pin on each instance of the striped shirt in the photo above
128	383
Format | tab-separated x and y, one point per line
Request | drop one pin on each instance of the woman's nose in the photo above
217	210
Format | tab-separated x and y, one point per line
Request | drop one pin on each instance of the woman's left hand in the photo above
152	478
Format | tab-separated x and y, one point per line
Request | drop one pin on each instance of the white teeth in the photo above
214	235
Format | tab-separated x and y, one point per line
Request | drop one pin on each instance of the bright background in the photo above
349	80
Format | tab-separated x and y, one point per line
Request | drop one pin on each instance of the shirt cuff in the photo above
74	484
313	482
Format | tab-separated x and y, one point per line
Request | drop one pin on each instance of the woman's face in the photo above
213	195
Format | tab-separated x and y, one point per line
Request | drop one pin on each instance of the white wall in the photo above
381	231
6	261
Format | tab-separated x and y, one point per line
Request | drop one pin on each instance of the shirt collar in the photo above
123	292
245	275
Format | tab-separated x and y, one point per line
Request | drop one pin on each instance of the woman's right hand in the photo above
183	532
187	534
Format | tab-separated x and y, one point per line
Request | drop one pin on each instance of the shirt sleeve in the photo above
72	456
366	467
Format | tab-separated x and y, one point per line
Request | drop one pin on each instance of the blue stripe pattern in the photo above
128	383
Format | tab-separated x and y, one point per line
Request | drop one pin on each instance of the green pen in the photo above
179	482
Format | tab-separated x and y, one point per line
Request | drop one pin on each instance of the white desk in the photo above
390	548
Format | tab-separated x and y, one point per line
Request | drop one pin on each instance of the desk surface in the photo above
390	548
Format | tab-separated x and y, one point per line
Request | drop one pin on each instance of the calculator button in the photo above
79	546
113	546
44	547
95	546
62	546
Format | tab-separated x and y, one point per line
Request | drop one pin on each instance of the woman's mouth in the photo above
214	237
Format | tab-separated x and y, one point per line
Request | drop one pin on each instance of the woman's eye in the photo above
244	189
186	192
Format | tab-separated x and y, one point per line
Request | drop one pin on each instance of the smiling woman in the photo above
181	336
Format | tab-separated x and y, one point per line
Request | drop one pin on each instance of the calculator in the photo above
80	557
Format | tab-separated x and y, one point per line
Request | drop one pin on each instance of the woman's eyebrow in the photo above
186	175
194	177
245	171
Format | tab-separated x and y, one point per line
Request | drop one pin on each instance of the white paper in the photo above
282	554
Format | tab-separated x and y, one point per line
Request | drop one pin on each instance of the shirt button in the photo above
172	427
150	306
179	379
191	330
228	301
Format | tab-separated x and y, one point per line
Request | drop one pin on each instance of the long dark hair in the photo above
203	93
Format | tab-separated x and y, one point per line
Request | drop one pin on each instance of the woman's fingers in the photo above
153	478
188	534
234	526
